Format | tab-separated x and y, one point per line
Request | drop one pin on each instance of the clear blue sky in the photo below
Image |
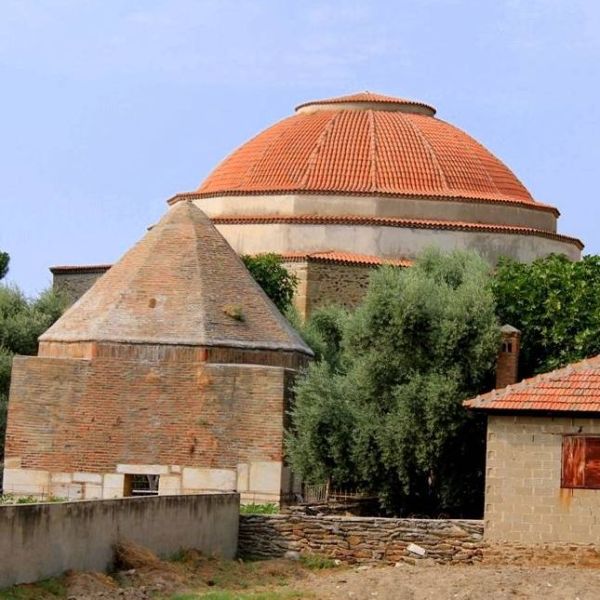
108	107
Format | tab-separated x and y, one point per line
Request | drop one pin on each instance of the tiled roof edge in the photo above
79	268
347	258
498	395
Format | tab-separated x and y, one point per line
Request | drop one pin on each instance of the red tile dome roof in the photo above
366	144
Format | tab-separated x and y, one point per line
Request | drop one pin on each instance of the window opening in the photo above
141	485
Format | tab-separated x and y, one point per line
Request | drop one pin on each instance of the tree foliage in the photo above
22	321
276	281
386	414
4	260
556	304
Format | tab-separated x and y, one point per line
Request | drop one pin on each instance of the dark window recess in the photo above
580	462
141	485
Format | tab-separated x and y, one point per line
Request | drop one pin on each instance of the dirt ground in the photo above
457	583
191	576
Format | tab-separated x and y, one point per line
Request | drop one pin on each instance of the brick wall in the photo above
360	539
70	418
524	501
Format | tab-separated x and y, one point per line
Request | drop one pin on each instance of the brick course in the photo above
89	415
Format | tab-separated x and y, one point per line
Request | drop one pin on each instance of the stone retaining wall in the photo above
360	539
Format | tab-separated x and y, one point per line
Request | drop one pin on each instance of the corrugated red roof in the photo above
366	152
349	258
392	222
575	388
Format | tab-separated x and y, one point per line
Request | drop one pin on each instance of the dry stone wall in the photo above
361	539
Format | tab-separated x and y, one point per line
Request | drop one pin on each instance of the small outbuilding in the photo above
543	457
171	375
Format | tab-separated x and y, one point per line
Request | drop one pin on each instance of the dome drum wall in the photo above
389	241
444	209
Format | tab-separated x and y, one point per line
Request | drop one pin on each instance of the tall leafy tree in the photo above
22	321
275	280
555	303
387	415
4	260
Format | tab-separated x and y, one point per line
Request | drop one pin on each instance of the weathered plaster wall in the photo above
387	242
379	206
360	539
76	426
44	540
524	501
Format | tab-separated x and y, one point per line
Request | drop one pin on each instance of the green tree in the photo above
22	321
555	303
4	260
387	415
276	281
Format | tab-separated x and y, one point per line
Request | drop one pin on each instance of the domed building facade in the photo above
350	183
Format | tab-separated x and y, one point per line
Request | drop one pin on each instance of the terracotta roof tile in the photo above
366	152
393	222
349	258
177	286
575	388
79	268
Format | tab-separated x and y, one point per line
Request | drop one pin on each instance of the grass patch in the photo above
47	589
259	509
317	562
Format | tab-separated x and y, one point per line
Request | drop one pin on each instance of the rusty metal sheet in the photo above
573	462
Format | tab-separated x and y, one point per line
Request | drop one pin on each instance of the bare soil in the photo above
441	582
142	576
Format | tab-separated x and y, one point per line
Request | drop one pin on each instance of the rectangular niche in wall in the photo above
140	485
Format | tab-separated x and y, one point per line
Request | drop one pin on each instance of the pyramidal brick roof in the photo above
181	284
574	388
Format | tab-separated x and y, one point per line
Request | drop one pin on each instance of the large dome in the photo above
366	144
349	183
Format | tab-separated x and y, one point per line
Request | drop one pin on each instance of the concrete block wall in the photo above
524	501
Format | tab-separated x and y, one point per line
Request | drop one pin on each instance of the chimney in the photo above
507	368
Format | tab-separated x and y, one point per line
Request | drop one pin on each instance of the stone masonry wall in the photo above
321	284
76	283
360	539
